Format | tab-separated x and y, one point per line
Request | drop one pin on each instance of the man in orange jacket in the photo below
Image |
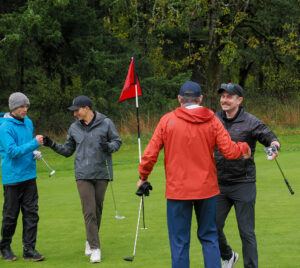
189	135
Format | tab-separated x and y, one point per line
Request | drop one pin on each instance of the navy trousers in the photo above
179	217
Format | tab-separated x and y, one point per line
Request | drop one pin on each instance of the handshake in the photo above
47	141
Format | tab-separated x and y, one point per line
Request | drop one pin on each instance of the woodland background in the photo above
55	50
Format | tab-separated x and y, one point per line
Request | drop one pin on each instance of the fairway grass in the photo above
61	234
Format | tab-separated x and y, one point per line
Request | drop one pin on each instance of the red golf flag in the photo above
129	86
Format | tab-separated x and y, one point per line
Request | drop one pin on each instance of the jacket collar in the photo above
97	120
8	116
237	118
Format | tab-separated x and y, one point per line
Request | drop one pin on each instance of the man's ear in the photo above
240	99
200	99
179	100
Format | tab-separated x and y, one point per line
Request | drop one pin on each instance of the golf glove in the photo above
104	146
37	155
144	189
48	142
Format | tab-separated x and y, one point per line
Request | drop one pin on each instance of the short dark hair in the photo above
185	99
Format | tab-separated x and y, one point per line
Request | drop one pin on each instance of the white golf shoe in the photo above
87	251
231	263
96	255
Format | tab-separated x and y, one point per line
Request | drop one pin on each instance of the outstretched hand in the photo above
39	139
272	151
48	142
248	154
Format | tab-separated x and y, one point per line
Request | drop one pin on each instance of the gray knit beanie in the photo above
17	100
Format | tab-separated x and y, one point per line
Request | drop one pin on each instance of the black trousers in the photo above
242	196
24	197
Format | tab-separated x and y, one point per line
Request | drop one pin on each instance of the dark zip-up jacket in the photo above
243	127
90	161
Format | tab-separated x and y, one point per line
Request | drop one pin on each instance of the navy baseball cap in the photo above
232	89
190	89
80	101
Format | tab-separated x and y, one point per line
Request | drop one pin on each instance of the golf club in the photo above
286	181
112	191
143	206
52	170
273	149
38	156
136	234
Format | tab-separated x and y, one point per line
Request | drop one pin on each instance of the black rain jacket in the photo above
244	127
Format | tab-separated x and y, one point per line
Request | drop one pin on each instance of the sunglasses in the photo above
225	86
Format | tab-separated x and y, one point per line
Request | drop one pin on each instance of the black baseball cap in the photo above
80	101
190	89
232	89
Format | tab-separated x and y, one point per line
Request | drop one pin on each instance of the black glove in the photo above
48	142
104	146
144	189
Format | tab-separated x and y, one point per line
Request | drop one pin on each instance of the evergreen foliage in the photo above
54	50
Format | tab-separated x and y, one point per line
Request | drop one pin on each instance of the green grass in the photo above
61	234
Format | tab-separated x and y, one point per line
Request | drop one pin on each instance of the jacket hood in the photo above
196	116
7	117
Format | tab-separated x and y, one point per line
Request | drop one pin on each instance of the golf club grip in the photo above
289	186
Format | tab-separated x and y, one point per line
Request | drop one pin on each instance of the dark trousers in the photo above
22	196
92	194
242	196
179	216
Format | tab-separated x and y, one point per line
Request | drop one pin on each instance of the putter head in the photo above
119	217
51	173
128	259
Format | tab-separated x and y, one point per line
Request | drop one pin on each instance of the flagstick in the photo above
139	141
138	121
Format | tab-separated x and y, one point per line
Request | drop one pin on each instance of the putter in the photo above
52	170
136	234
143	206
112	191
270	150
286	181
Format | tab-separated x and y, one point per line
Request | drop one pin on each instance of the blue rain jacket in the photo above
16	148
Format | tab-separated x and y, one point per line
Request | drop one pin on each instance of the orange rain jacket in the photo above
189	137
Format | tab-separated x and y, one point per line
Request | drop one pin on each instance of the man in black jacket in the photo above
237	177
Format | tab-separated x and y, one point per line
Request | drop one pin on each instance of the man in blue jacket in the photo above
237	177
18	169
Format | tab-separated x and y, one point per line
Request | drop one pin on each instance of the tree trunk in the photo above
244	71
214	69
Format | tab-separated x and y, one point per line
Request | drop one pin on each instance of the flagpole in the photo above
138	129
138	122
